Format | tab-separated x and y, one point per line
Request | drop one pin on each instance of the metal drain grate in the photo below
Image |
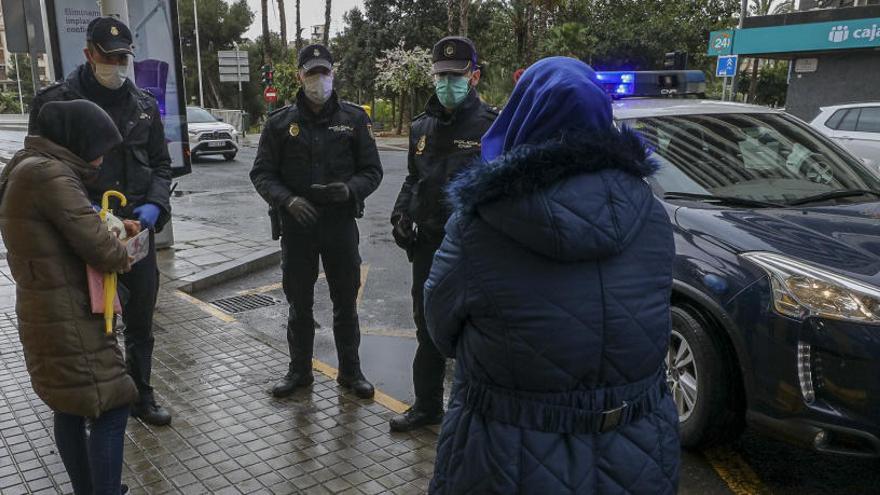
247	302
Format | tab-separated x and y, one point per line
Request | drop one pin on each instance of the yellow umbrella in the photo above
109	278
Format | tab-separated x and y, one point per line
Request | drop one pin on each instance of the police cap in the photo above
110	35
454	54
315	56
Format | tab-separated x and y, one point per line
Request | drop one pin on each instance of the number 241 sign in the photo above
721	43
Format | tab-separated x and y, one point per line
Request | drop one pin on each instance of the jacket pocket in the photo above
139	176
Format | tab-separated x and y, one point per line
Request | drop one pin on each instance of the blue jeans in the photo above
93	462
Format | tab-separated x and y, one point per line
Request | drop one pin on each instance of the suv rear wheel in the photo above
700	379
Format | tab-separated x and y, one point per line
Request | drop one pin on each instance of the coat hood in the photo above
580	196
80	126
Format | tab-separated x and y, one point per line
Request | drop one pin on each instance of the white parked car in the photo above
208	135
856	127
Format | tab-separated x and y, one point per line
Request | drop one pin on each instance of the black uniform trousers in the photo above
334	239
429	366
141	287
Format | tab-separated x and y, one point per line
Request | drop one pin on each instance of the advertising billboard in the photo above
156	67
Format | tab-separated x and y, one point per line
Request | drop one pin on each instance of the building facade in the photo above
833	47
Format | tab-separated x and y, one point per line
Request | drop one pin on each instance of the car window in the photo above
834	121
849	120
869	120
762	157
196	115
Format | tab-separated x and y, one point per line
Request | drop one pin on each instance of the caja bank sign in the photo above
840	33
854	34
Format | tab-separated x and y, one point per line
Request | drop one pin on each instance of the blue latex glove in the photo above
96	207
148	215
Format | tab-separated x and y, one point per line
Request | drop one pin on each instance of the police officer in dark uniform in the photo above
316	164
140	168
442	141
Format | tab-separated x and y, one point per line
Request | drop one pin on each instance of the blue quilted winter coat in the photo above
552	292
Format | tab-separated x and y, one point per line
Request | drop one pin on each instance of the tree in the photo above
299	38
282	17
226	24
326	22
402	72
450	17
264	10
761	8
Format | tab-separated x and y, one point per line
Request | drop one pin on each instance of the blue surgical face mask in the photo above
452	90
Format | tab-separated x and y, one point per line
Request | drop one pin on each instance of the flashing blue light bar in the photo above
617	83
621	84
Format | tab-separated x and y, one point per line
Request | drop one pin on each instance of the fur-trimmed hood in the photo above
580	196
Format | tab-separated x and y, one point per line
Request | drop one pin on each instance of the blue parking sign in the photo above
726	66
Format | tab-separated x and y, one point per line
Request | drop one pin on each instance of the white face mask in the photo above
111	76
318	87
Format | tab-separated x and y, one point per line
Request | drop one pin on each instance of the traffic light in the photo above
675	61
267	75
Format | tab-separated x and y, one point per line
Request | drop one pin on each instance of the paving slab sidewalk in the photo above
228	435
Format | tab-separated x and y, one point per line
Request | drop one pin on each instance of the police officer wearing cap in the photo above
140	168
316	164
443	140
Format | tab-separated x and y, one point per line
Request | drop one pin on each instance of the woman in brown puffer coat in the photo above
51	232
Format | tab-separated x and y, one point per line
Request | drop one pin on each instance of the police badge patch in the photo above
449	50
114	31
420	147
294	129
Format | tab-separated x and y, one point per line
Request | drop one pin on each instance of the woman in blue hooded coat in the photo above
551	291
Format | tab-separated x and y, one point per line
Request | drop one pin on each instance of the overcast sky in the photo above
312	14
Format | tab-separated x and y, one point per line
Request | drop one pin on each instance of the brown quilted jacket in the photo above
51	232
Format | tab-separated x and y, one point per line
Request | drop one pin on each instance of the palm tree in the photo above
450	17
283	18
760	8
326	22
299	38
264	6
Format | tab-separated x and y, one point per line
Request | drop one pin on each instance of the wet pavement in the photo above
214	370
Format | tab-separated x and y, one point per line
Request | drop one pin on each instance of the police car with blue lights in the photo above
776	297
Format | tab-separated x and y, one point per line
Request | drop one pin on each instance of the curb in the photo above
227	271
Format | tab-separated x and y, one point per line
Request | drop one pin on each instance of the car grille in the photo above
213	136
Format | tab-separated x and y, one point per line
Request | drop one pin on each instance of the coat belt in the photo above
575	412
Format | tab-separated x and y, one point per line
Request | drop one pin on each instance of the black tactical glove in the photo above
302	211
403	231
337	192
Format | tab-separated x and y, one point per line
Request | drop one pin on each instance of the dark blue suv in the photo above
776	303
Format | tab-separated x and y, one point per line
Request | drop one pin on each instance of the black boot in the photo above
151	413
416	417
292	381
358	384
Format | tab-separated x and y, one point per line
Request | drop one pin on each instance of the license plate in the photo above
217	144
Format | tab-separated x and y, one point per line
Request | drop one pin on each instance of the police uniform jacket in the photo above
440	145
140	167
299	148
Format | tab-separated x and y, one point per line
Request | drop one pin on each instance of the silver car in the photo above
208	135
856	127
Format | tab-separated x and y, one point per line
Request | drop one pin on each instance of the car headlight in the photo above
801	290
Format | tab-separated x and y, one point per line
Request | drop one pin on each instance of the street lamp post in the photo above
238	73
18	77
198	56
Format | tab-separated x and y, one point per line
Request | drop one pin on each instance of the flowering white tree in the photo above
401	72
